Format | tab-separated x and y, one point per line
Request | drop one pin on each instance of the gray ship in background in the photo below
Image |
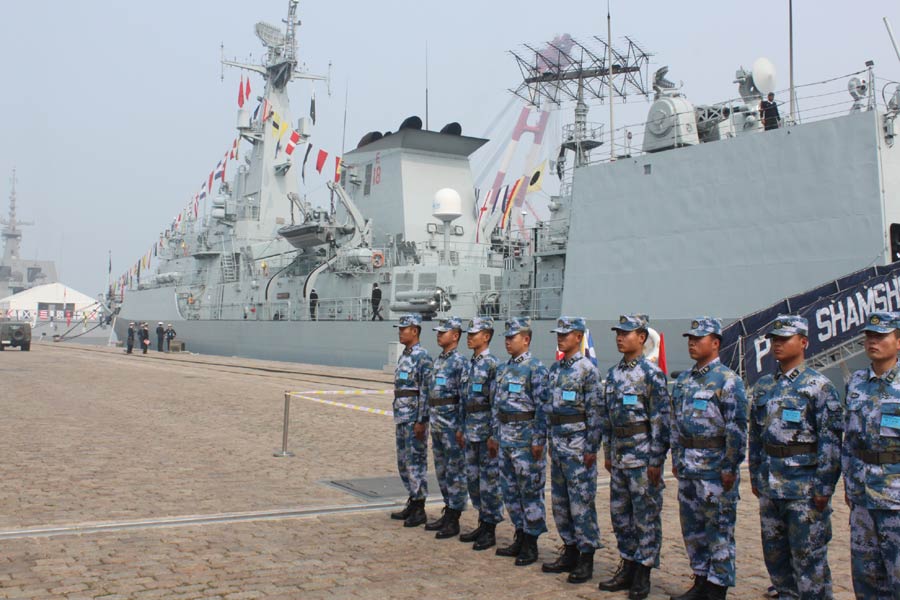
18	274
700	212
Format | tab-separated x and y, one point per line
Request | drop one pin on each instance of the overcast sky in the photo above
114	111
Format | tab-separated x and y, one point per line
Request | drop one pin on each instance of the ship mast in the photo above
12	236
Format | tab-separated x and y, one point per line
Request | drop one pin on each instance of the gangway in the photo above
836	312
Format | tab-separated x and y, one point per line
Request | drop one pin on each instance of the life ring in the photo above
377	259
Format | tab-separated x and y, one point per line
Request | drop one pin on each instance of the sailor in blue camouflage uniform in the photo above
410	409
515	415
871	462
571	415
445	418
634	417
794	456
482	470
709	441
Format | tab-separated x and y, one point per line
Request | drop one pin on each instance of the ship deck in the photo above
154	477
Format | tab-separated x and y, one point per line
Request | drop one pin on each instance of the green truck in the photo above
15	334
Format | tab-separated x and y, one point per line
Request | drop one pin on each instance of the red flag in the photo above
662	354
247	89
337	169
320	160
292	142
241	93
209	187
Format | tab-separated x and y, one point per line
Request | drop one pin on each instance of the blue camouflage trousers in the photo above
875	553
412	461
523	481
635	506
449	467
573	488
795	540
708	515
483	475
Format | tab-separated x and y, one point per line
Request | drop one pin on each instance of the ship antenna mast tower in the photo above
11	234
569	70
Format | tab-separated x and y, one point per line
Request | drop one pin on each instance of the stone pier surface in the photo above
154	477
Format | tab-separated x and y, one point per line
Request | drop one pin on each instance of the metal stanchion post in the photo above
284	435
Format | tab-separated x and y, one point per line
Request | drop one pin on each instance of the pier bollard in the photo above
284	435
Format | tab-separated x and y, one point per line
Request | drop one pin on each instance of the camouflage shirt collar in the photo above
447	354
695	372
568	362
630	364
792	374
520	358
410	349
888	376
481	355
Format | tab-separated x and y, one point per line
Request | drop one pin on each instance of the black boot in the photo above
451	525
417	514
715	592
471	536
402	514
640	586
697	591
514	548
622	578
437	523
486	539
565	562
584	570
529	552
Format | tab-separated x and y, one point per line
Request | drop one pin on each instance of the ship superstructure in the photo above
16	273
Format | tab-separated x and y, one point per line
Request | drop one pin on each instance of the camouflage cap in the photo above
409	320
569	324
517	325
789	325
882	322
480	324
703	326
632	323
448	324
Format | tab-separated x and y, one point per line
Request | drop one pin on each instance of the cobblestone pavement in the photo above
94	436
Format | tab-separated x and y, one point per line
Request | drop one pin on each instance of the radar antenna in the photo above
569	70
11	234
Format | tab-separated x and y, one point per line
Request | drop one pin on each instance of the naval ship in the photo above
707	212
18	274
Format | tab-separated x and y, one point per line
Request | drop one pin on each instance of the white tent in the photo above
53	298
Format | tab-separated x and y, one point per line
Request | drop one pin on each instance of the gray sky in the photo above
114	112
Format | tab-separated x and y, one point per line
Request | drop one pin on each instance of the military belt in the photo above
474	407
872	457
779	451
566	419
443	401
405	393
517	416
702	443
621	432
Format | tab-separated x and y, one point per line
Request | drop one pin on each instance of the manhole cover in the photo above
379	488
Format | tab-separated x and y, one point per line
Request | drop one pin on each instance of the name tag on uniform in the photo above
515	388
629	400
403	376
476	387
890	421
791	416
440	380
700	404
568	395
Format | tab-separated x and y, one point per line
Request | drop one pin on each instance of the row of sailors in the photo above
490	422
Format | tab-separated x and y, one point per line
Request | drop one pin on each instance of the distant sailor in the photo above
444	416
411	419
145	337
313	304
376	302
482	469
571	415
160	336
170	335
768	112
635	421
515	413
871	462
129	344
709	440
794	456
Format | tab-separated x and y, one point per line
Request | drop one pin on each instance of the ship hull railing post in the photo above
284	452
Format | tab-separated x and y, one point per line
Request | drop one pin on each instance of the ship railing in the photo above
537	303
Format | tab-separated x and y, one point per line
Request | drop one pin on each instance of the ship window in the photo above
33	273
647	169
367	187
485	282
498	282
